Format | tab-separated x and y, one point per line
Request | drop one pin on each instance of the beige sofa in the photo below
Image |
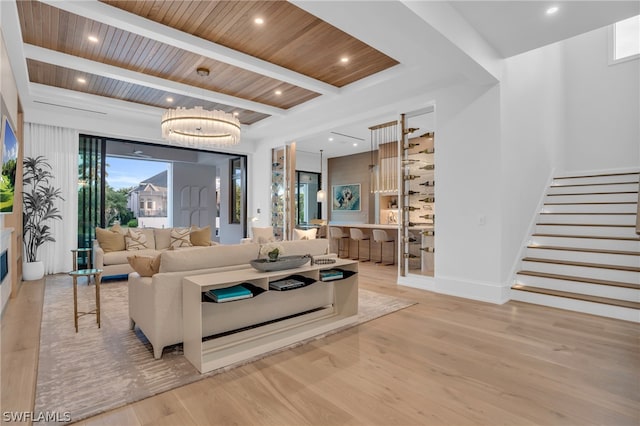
114	262
155	302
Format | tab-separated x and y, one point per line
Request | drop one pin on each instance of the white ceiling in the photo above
428	58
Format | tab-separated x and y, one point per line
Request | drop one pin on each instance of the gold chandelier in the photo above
198	127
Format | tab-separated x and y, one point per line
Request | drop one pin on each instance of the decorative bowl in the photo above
283	262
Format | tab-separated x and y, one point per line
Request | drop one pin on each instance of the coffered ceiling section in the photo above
123	63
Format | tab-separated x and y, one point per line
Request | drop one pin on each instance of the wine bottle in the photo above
409	239
409	256
409	161
428	167
428	183
411	145
410	208
419	223
428	233
410	177
428	216
413	192
427	151
428	249
428	200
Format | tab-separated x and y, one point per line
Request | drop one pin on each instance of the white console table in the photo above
228	348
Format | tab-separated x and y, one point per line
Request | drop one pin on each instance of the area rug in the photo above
99	369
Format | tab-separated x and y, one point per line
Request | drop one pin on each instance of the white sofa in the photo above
155	303
114	263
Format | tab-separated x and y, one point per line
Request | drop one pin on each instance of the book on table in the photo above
228	294
331	274
286	284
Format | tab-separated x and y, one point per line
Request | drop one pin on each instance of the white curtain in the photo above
60	148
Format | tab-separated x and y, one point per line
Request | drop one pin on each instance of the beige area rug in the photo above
95	370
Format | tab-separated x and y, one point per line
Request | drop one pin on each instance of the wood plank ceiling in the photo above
289	37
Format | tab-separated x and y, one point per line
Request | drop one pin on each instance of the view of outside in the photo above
136	192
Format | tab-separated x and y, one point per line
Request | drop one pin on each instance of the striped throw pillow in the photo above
135	240
180	237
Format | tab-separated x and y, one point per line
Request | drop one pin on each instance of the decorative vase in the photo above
32	270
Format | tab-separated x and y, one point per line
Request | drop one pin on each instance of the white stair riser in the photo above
611	292
585	256
593	243
589	208
599	231
593	198
633	177
605	219
600	309
583	271
615	187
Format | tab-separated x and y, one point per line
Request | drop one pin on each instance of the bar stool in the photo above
336	234
381	236
358	235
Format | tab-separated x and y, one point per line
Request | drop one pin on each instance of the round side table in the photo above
97	276
76	253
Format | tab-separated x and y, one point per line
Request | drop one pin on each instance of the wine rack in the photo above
418	202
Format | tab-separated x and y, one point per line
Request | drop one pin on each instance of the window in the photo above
141	204
237	205
625	40
150	205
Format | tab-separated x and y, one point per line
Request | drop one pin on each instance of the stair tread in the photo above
593	193
600	175
584	264
592	184
592	202
580	279
588	250
589	213
588	224
596	237
583	297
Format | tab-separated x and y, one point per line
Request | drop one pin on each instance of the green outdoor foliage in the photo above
7	188
133	223
116	205
38	199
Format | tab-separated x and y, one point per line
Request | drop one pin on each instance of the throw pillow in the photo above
300	234
180	237
110	240
163	238
135	240
146	266
200	236
263	235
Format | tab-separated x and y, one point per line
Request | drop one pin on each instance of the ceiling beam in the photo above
92	67
118	18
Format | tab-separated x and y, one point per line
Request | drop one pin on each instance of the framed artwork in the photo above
346	197
9	166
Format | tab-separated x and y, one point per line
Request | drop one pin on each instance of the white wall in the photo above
533	115
603	106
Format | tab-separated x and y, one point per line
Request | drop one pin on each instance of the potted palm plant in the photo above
38	202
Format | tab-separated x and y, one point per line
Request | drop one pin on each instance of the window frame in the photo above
612	48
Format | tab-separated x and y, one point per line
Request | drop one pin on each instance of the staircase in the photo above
584	254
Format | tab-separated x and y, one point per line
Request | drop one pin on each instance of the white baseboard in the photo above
475	290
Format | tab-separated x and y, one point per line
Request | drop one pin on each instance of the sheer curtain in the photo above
60	147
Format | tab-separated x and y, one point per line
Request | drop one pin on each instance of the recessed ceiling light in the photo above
259	21
330	139
552	10
92	39
81	80
278	92
355	144
169	99
344	59
235	114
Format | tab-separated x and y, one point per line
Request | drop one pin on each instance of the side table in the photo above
76	253
97	276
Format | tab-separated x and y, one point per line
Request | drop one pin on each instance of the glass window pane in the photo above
627	38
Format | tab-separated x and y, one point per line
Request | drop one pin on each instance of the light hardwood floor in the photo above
444	361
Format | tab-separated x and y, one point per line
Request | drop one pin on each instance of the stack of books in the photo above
331	274
228	294
286	284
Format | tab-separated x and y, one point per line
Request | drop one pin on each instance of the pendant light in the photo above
321	195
